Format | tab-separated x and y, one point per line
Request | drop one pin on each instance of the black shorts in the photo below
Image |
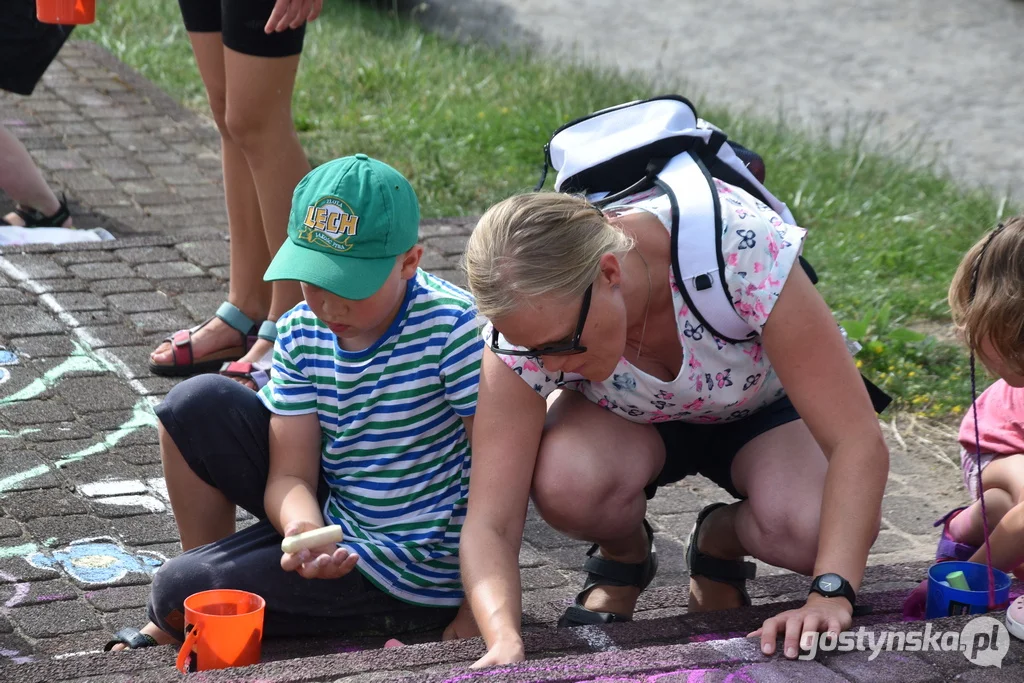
709	449
222	431
28	46
241	24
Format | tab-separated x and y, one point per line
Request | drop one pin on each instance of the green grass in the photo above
466	125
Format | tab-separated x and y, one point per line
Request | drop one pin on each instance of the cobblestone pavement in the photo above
84	517
944	71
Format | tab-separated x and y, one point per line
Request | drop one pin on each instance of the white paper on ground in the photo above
15	234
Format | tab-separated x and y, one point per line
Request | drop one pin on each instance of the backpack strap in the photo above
697	260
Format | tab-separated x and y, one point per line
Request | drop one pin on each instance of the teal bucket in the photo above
946	601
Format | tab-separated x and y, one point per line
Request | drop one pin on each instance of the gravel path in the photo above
942	71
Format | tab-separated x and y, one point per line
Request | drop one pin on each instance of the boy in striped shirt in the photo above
364	423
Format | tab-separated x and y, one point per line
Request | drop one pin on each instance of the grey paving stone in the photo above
140	302
140	437
68	258
10	295
84	180
139	142
80	301
54	619
88	395
142	453
102	271
61	432
882	668
221	272
27	505
17	321
121	285
529	557
185	285
179	174
200	305
36	266
38	412
118	598
120	168
102	317
170	269
16	569
206	253
9	528
115	621
164	322
40	593
104	336
211	191
138	255
146	529
67	528
14	463
64	284
534	578
16	651
158	386
5	625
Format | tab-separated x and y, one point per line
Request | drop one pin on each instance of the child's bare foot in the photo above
463	626
153	631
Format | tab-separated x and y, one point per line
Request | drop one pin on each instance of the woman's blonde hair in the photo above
987	293
537	244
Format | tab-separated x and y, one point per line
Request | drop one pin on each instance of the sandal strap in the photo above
132	637
732	572
578	615
268	330
234	317
35	218
181	347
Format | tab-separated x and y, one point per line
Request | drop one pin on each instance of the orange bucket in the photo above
66	11
222	628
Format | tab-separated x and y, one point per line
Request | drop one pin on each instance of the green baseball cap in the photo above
350	220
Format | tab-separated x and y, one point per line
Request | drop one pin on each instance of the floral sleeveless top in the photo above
718	381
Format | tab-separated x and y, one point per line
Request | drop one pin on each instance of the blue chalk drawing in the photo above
8	357
98	560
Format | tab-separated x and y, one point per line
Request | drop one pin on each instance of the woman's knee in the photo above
574	496
218	109
787	535
249	127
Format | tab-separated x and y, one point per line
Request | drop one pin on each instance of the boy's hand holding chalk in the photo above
311	539
312	551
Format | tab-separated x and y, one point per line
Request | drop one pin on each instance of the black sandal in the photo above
132	637
732	572
602	572
36	219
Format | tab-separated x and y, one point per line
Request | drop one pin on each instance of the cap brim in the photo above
344	276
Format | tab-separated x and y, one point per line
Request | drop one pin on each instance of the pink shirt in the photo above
1000	421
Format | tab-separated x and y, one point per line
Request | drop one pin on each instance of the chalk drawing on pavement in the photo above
8	357
97	560
151	494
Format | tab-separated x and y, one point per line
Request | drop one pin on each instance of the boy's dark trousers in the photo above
222	431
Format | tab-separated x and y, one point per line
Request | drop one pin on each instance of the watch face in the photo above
830	582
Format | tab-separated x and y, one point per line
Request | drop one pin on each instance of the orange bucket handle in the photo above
186	649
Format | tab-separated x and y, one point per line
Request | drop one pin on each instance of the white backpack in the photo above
616	152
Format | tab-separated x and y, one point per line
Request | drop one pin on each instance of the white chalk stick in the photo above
311	539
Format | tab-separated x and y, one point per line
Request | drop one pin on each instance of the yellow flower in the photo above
911	373
860	364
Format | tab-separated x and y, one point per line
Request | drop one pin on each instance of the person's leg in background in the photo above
22	181
250	98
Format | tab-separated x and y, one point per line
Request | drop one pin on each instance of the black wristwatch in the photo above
833	586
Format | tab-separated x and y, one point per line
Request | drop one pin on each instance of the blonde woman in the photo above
585	302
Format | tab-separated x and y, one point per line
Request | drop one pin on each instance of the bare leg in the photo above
202	512
21	179
249	255
584	487
782	473
259	119
1007	538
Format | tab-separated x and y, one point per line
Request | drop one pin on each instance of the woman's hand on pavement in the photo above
323	562
292	14
832	615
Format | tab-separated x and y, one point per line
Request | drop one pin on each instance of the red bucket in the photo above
66	11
